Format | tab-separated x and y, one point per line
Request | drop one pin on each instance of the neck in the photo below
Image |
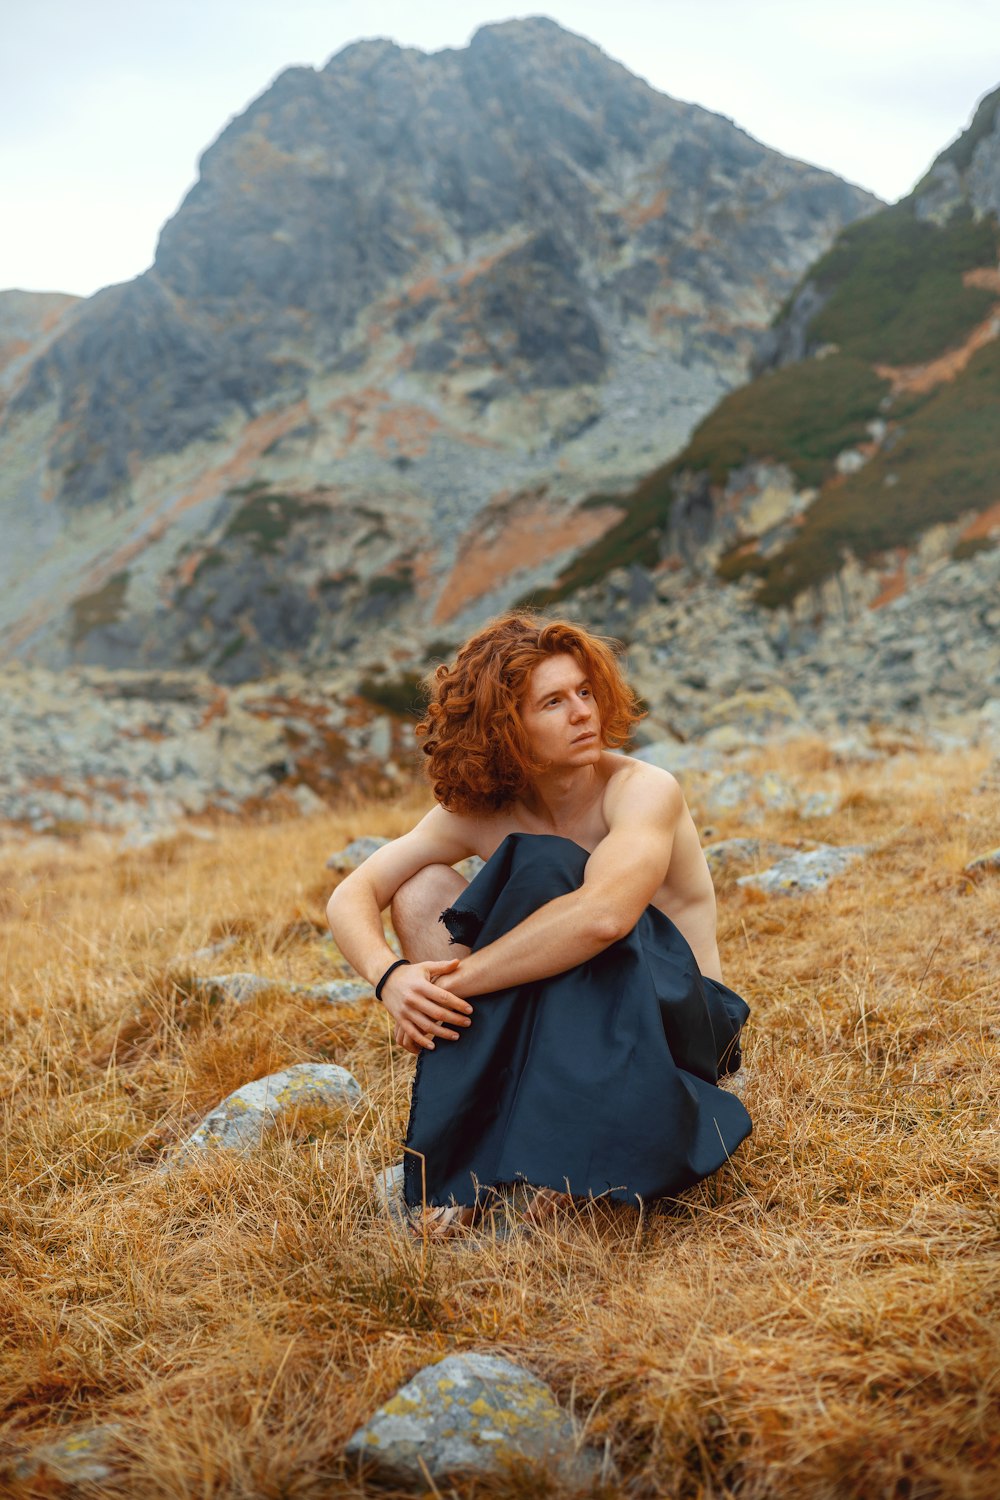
556	797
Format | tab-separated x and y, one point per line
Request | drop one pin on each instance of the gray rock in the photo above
820	804
239	987
238	1123
307	800
211	949
469	868
355	854
775	792
984	863
725	853
671	755
809	870
471	1414
731	791
389	1191
82	1456
335	991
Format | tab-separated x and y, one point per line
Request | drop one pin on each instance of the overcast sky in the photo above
106	105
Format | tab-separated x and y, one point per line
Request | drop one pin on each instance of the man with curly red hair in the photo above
594	869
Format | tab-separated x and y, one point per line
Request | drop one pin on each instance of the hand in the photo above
421	1009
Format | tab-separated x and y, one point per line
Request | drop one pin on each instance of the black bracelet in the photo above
385	976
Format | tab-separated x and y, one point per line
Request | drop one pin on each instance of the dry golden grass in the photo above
819	1319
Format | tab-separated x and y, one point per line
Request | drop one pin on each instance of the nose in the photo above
581	707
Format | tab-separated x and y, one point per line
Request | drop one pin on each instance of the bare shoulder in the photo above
440	838
635	788
446	836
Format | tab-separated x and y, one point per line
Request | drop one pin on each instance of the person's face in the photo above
560	715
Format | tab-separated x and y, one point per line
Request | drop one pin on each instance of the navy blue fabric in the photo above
601	1080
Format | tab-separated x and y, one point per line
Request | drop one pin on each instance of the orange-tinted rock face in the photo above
510	539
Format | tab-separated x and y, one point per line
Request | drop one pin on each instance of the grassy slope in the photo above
947	462
895	296
820	1318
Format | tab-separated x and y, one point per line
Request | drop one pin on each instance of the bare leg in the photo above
416	910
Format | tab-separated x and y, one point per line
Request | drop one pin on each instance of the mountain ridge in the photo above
490	327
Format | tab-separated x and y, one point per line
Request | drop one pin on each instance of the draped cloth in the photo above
601	1080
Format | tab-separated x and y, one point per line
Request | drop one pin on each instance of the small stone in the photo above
307	801
238	987
730	791
775	792
759	711
334	992
355	854
819	805
726	738
984	863
81	1457
211	949
735	1083
728	852
809	870
851	748
241	1119
389	1191
671	755
471	1414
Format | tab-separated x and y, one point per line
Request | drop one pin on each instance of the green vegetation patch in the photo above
801	415
971	546
946	463
103	607
266	518
895	285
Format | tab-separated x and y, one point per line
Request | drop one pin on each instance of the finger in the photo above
447	999
428	1026
437	1004
440	966
424	1013
421	1039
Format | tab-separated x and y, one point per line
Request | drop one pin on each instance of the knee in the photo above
426	892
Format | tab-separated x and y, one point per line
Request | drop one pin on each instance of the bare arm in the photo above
419	1006
622	876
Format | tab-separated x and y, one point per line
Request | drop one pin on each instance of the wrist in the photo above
397	963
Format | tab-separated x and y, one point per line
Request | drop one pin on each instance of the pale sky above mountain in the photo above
105	106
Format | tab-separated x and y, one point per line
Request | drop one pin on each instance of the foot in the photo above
441	1223
545	1203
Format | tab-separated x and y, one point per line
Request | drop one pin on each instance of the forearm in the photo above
564	932
356	923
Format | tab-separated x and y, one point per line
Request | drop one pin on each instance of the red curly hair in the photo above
479	757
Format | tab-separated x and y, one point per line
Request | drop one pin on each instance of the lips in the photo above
590	735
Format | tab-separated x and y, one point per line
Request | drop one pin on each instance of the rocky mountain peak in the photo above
416	306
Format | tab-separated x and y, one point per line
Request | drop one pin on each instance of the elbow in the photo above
332	906
607	926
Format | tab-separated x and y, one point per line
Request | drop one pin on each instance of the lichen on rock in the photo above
471	1414
240	1121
